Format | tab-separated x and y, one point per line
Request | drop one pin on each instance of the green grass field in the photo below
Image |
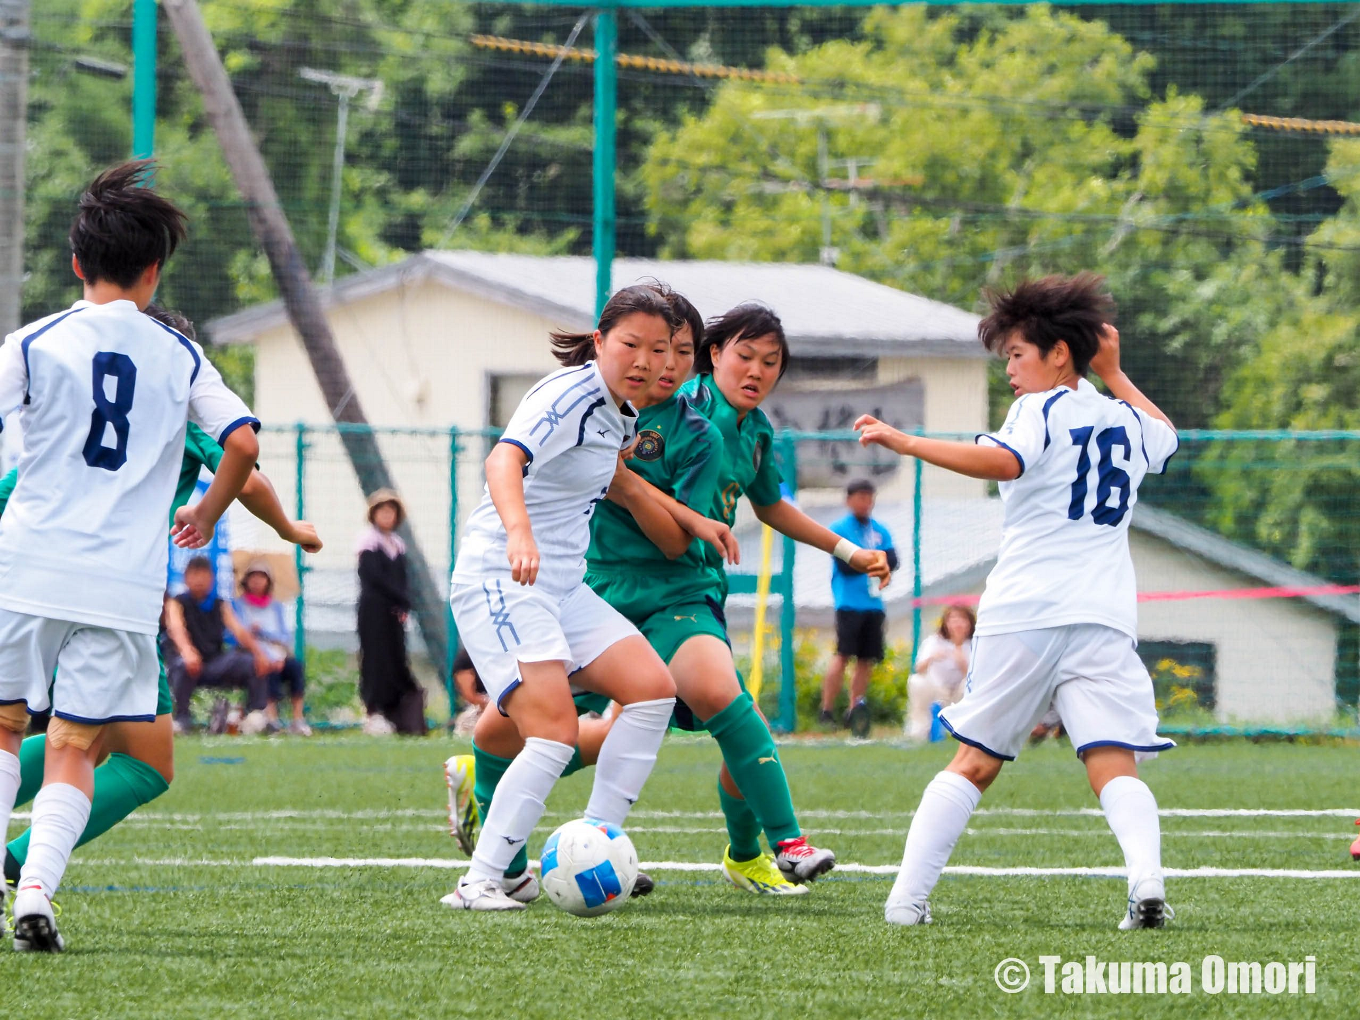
174	913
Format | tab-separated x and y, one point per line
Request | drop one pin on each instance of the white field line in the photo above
382	813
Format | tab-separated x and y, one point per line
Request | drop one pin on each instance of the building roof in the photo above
821	307
959	541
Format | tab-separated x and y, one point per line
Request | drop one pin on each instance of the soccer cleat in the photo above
908	913
642	885
800	861
858	720
827	718
1147	906
522	888
35	922
1355	847
486	895
299	728
759	875
464	817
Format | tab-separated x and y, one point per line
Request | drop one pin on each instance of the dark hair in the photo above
175	320
199	563
123	226
965	610
751	320
1074	309
860	485
683	309
578	348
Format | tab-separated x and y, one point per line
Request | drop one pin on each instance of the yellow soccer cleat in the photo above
759	875
464	817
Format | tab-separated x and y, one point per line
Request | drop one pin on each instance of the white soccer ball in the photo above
588	867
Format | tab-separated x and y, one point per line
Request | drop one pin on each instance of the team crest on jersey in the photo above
650	445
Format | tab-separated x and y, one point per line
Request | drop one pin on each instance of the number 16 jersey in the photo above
1064	555
105	394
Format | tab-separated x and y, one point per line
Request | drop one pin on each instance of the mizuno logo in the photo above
602	432
762	761
511	840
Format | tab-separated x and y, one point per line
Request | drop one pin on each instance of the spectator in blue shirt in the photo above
859	609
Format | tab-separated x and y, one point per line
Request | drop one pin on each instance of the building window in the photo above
506	393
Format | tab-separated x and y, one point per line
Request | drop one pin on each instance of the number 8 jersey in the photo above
105	394
1064	542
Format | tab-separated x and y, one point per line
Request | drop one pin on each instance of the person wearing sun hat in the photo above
391	696
264	616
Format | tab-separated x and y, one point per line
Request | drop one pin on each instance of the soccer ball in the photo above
588	867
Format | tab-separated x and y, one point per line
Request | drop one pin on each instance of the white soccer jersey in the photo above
572	431
105	393
1064	555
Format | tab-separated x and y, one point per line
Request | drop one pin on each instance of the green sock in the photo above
32	753
121	785
749	751
489	768
743	828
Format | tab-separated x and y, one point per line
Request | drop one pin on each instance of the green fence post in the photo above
788	677
453	549
606	108
143	78
300	608
916	558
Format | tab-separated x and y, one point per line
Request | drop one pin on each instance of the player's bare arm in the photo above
245	639
1105	364
989	462
194	525
179	634
660	527
788	520
258	496
505	482
715	533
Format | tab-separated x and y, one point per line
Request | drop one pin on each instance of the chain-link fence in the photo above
1247	553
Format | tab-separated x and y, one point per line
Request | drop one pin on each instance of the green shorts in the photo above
668	614
165	701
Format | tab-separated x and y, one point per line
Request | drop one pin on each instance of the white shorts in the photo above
1090	673
503	623
95	675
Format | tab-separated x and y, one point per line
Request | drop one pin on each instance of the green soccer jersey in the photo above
200	451
679	451
748	465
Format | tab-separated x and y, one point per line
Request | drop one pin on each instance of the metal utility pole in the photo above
14	39
299	296
344	88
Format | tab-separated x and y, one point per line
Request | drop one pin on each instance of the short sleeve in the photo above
200	448
926	650
212	406
13	376
7	485
1023	433
552	417
695	482
765	487
1160	441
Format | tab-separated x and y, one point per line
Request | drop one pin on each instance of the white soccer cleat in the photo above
1147	906
522	888
908	913
460	775
35	922
488	894
800	861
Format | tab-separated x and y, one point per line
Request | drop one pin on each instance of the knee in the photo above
654	684
14	717
978	767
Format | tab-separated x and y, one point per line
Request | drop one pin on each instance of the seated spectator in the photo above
470	692
941	669
265	618
197	623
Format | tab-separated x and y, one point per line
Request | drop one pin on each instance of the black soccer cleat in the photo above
642	885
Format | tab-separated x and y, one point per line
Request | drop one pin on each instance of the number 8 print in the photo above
110	412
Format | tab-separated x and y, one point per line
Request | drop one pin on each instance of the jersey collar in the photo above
626	410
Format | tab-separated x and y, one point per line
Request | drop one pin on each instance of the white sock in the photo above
9	789
60	812
1131	810
626	758
518	805
947	804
